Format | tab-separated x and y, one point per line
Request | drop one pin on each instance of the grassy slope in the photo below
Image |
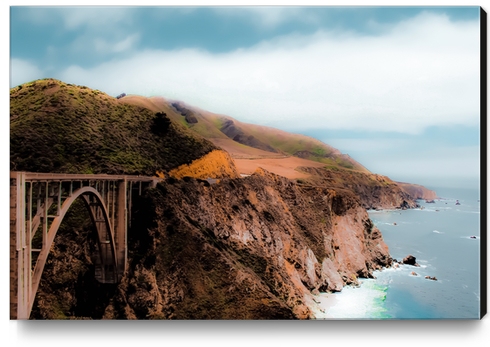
206	126
292	143
241	151
286	143
58	127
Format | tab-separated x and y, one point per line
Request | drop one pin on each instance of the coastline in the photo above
366	299
446	230
324	303
363	301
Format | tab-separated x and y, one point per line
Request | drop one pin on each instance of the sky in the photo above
396	88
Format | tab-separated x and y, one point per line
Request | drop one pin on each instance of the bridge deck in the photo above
83	177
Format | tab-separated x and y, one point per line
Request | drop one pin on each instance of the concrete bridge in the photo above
38	203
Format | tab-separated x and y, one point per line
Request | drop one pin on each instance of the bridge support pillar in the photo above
20	249
121	227
14	261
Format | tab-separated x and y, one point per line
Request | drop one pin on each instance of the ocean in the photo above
440	236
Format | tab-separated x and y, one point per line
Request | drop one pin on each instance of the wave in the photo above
437	232
367	301
423	264
472	237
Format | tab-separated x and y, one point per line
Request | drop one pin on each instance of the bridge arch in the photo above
108	199
105	235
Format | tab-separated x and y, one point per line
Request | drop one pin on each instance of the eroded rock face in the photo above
247	248
418	191
374	191
251	248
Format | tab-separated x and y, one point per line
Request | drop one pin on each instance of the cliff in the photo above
249	248
374	191
418	191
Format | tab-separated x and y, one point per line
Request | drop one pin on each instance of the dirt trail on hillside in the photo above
240	151
283	167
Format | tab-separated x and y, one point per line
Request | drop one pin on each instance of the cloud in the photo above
74	17
22	71
269	16
421	73
104	46
95	16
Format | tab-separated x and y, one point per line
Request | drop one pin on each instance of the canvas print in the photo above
245	163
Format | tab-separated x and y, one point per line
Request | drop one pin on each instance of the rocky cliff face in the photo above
374	191
417	191
244	249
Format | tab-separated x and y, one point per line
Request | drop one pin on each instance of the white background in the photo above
224	333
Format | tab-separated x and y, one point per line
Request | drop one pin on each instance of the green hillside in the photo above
59	127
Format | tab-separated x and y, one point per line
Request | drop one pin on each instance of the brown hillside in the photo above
239	151
285	167
251	137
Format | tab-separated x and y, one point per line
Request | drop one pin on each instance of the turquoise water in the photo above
439	237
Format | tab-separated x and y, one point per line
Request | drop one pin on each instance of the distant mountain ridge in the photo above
251	141
229	133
